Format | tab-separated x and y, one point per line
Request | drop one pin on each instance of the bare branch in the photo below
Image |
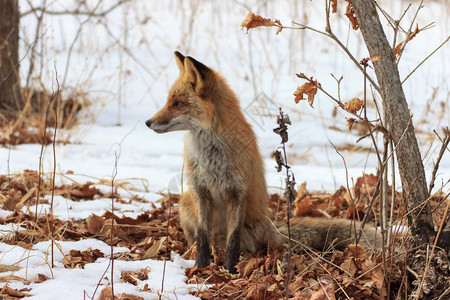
443	43
438	160
75	12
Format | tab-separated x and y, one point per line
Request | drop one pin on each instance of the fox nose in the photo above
148	123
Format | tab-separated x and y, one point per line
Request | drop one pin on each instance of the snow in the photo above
127	84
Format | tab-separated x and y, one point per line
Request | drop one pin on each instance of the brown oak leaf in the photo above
350	13
253	21
354	105
307	88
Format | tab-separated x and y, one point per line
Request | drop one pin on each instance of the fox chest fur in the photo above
209	162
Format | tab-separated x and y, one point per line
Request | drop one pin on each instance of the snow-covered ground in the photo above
124	64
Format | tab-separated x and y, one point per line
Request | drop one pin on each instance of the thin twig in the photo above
113	194
54	165
352	201
74	12
409	31
111	260
167	245
77	35
391	215
438	160
435	50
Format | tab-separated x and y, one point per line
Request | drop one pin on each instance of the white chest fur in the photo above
212	162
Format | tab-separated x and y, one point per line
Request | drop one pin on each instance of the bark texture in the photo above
398	119
9	52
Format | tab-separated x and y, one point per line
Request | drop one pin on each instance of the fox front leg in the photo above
204	225
235	220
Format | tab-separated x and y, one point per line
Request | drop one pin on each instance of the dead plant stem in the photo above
167	245
113	196
56	106
438	160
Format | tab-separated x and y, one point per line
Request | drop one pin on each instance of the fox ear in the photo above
179	58
195	71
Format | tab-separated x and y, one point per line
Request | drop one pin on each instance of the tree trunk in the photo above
399	122
9	51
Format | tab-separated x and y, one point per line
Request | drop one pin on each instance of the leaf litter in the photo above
156	232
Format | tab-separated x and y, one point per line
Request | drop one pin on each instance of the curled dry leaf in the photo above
246	267
333	6
350	122
94	224
106	294
307	88
6	291
125	296
39	278
302	206
253	21
375	58
77	259
324	291
78	192
399	47
354	105
350	13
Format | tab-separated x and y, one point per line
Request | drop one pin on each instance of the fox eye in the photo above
177	103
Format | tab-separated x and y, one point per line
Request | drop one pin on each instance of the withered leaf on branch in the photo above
279	160
399	47
282	121
308	88
375	58
350	122
354	105
333	6
253	21
350	13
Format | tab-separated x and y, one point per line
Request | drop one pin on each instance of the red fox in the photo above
227	196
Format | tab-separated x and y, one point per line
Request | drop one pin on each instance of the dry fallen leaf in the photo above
106	294
94	224
7	291
77	259
302	206
355	251
253	21
39	278
125	296
77	191
127	276
324	291
246	267
354	105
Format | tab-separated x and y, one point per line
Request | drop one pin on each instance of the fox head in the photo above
190	101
